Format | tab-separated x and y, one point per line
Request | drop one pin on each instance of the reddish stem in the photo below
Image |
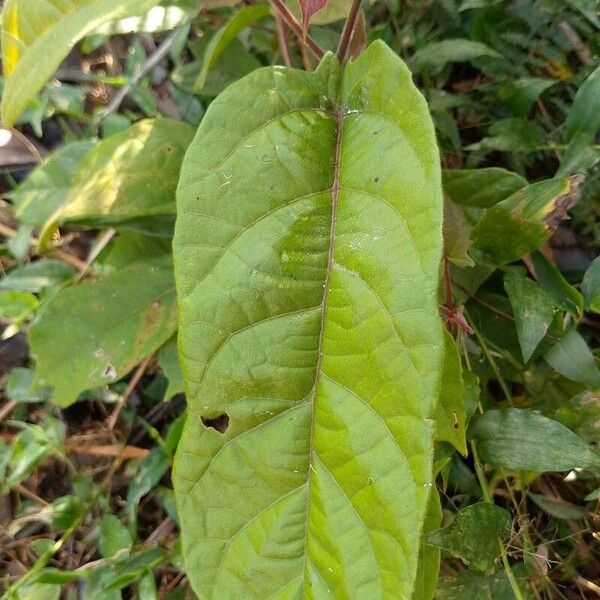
342	51
285	51
292	23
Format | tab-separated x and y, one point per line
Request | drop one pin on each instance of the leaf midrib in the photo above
335	190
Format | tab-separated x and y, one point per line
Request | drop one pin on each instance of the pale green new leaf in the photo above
451	413
105	327
307	250
37	35
243	18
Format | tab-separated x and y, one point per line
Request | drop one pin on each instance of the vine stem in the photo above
291	21
342	51
147	66
487	496
285	51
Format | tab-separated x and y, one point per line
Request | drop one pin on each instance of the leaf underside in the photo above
307	249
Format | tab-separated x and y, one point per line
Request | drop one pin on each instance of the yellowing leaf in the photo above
307	254
38	34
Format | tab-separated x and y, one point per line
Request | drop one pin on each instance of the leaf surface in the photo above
49	185
473	535
307	250
130	177
525	220
523	440
112	324
533	310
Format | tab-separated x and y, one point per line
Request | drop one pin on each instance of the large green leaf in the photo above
38	34
105	327
130	178
307	249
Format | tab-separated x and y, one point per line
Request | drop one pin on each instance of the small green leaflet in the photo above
533	309
474	535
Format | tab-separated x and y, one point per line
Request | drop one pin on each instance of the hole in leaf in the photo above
220	423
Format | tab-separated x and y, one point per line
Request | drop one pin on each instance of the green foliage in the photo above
474	535
114	323
347	362
523	440
32	54
337	441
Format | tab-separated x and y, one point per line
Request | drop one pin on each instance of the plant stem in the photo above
292	23
150	62
491	361
285	51
487	496
348	30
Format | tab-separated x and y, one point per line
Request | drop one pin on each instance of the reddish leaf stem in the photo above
285	51
291	21
342	51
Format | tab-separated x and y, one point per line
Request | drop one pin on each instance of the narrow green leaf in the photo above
147	475
584	116
20	386
588	8
572	358
450	415
556	508
38	34
554	282
481	188
39	591
129	179
112	324
523	440
436	55
533	309
429	556
590	286
474	535
38	275
168	361
307	252
232	64
29	448
244	17
16	304
457	231
521	94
